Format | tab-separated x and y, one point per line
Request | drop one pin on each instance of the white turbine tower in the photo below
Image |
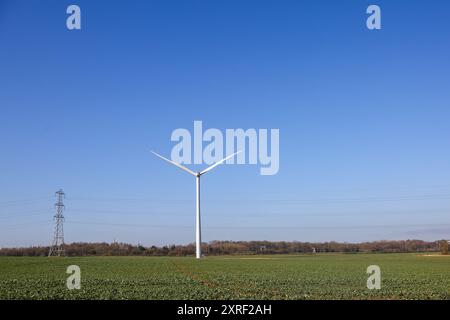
198	231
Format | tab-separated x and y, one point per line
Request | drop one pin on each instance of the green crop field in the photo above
322	276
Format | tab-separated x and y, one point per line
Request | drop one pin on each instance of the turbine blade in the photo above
175	164
219	162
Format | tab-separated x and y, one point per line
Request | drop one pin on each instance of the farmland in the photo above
321	276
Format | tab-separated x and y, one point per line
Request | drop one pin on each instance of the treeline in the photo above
230	248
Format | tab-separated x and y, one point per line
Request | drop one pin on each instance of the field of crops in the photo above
339	276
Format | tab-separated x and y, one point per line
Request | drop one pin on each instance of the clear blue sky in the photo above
363	117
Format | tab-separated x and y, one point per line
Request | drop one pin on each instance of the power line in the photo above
9	204
23	215
317	200
107	224
21	225
22	201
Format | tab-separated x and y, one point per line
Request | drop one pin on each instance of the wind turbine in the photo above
198	231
